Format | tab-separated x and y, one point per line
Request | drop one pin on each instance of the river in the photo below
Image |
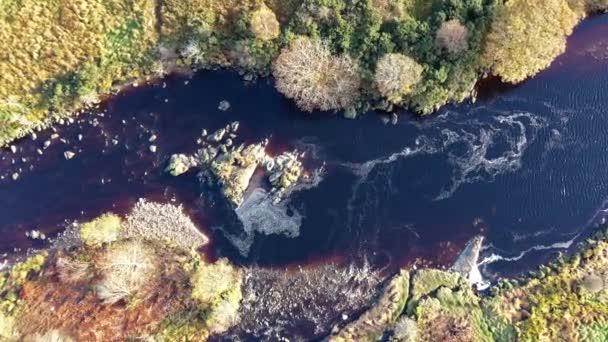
525	166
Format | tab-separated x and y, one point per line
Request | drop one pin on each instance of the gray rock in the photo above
15	176
394	119
224	105
68	155
235	126
179	164
274	177
350	113
467	260
204	133
217	136
13	148
153	148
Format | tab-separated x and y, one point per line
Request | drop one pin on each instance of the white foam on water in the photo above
475	164
259	215
492	258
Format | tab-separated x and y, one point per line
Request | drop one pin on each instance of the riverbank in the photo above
62	56
120	273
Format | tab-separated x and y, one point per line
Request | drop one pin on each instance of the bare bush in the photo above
452	36
264	24
126	269
72	270
308	73
396	75
304	303
406	330
50	336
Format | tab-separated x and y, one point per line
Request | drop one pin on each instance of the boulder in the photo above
179	164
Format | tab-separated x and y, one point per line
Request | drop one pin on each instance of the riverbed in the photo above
524	166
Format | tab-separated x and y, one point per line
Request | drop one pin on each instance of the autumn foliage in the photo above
396	75
307	72
526	36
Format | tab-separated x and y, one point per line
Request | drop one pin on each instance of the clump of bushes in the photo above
104	229
310	74
126	269
217	289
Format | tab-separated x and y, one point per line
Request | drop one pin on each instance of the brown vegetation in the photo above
71	307
126	269
308	73
452	36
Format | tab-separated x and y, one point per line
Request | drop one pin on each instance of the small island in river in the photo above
150	274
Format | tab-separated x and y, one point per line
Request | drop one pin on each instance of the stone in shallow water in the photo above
68	155
223	105
217	136
179	164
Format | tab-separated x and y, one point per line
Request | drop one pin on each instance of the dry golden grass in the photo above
215	15
42	40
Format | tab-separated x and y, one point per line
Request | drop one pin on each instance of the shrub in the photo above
7	327
217	287
406	330
308	73
264	24
126	269
103	229
211	281
452	36
396	75
72	270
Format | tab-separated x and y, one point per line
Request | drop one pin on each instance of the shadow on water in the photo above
524	166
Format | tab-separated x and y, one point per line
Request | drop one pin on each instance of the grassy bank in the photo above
325	54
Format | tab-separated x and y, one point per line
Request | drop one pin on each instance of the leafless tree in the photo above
452	36
396	75
308	73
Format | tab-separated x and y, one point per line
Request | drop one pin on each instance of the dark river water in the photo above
525	166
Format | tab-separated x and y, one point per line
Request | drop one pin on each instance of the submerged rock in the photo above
223	105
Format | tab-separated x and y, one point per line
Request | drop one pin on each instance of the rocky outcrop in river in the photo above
232	167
